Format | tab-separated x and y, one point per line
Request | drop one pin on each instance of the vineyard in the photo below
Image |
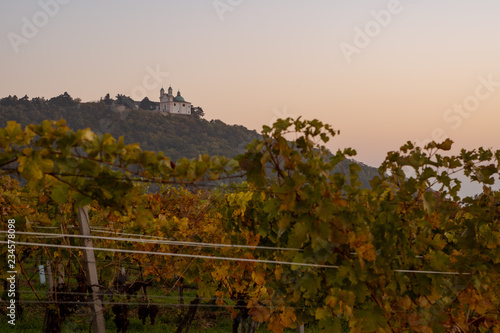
271	240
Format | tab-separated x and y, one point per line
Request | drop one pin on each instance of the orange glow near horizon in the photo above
266	60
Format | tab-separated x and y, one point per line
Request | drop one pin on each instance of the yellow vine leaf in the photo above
259	277
259	314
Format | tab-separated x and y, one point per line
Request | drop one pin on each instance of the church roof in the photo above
179	98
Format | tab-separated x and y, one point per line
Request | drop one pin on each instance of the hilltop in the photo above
177	136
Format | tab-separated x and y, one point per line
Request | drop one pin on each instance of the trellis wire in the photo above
154	241
174	254
223	258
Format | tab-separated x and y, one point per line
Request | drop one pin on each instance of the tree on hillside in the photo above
39	102
125	101
146	104
25	100
107	99
63	100
9	101
197	112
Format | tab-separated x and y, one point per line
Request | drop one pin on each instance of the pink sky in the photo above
248	62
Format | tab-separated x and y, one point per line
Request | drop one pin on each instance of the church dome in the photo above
179	98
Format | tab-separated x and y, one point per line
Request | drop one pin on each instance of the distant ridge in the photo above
177	136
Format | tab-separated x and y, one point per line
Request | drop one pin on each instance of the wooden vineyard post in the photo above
300	328
50	278
91	270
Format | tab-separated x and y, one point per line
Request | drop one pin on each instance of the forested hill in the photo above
177	136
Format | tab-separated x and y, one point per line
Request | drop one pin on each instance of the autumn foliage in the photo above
295	243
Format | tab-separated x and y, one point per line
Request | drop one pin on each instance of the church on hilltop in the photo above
173	105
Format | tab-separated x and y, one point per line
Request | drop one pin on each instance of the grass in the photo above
205	321
210	319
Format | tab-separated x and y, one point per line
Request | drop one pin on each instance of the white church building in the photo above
174	105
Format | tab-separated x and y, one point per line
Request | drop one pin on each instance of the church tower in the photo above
170	94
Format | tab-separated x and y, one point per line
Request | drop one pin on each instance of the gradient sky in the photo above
259	60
